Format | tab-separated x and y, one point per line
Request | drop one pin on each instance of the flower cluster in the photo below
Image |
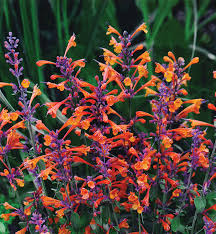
119	173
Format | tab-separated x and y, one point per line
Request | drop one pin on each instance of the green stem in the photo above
193	223
139	222
195	30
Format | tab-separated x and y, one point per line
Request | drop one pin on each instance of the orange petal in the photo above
2	84
43	62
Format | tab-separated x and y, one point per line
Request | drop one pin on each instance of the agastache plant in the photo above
128	180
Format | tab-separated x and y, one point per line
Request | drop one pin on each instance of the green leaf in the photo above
211	196
200	204
176	225
2	228
78	223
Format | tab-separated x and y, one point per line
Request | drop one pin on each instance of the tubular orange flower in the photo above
124	224
70	44
3	84
193	61
142	27
36	92
112	30
43	62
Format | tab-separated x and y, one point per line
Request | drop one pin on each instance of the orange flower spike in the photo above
193	61
112	30
43	62
71	43
142	27
25	83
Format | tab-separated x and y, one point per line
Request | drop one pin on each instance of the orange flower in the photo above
142	180
2	84
176	193
71	43
124	224
112	30
43	62
63	230
127	81
175	105
114	193
91	184
19	182
60	213
167	142
22	231
84	193
214	74
140	210
132	197
25	83
142	27
48	140
193	61
169	76
41	126
14	116
7	206
13	140
36	92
